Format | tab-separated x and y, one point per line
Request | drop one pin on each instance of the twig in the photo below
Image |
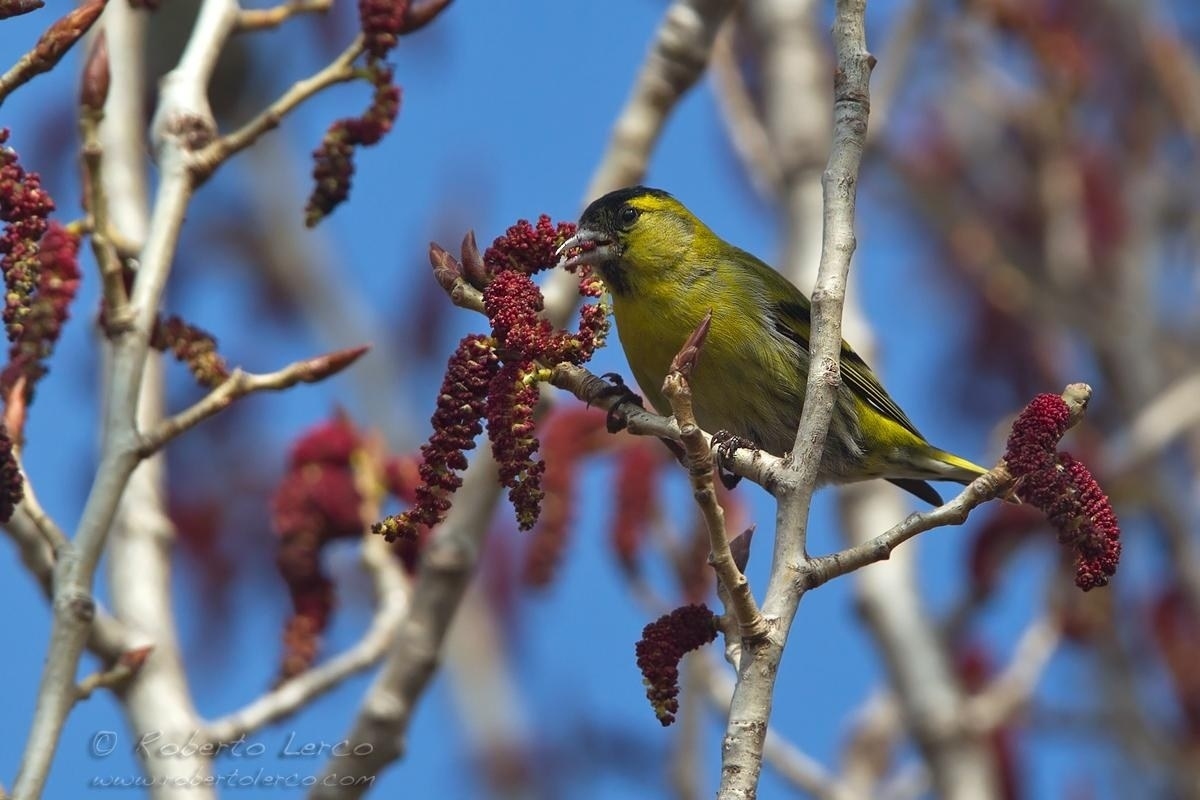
795	77
1158	423
871	743
676	61
446	567
340	70
911	782
238	385
311	272
116	297
123	135
418	16
391	590
30	528
957	759
38	537
751	463
686	753
1173	65
822	569
52	46
681	51
40	540
157	700
896	55
920	668
119	674
1066	250
257	19
1012	689
448	273
482	677
700	471
743	123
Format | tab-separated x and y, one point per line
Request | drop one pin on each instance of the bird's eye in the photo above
627	216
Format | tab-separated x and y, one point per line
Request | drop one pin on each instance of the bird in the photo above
664	270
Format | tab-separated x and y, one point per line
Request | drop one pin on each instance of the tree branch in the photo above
340	70
391	589
238	385
51	47
751	705
1013	688
819	570
446	567
753	464
257	19
700	473
794	765
182	120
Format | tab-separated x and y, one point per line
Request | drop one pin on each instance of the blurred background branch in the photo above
1027	217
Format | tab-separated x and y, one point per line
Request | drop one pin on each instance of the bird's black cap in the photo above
604	206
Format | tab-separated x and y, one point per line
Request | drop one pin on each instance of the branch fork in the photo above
751	624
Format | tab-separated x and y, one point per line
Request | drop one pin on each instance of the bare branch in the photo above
115	676
700	471
391	589
1160	422
1012	689
751	463
446	568
183	120
239	384
52	46
743	124
920	669
340	70
37	538
686	757
676	61
825	568
681	51
156	698
751	705
794	765
896	55
257	19
875	733
116	296
795	76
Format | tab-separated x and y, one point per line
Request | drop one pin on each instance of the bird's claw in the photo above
724	445
615	420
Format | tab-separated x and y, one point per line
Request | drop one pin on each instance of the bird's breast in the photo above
744	382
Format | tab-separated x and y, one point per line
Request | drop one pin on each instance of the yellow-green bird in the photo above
665	270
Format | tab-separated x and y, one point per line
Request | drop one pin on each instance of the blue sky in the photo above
504	115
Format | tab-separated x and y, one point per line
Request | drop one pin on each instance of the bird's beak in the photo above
601	250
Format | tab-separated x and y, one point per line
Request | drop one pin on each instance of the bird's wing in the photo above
860	378
791	314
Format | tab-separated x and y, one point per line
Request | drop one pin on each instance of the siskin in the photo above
665	269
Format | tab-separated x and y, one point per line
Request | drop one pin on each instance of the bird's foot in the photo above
725	444
615	421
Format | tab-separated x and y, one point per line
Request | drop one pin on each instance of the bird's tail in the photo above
949	467
938	465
